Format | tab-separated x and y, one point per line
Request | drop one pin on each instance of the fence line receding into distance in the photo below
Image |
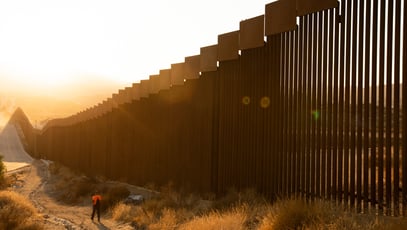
304	100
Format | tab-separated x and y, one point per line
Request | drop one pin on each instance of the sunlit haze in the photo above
66	49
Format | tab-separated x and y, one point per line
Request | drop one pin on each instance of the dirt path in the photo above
33	182
12	149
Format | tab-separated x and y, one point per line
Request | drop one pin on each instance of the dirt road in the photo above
12	149
33	182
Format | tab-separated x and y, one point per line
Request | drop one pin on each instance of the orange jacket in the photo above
95	198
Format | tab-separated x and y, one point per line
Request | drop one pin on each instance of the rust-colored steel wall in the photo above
316	111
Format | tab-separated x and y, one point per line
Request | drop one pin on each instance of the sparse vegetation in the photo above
16	212
245	210
74	187
3	181
299	214
171	209
112	196
123	212
234	218
71	186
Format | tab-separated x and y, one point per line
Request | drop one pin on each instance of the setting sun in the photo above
233	114
83	51
54	43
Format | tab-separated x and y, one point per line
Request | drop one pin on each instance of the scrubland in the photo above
16	212
245	210
168	208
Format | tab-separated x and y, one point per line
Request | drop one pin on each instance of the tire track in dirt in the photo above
33	196
36	181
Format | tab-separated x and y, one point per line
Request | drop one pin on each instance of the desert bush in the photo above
71	186
319	214
255	204
168	209
3	182
232	219
75	190
391	223
112	196
236	198
124	212
83	187
169	219
288	214
17	212
142	218
54	168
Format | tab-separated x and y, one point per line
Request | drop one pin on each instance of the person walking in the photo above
96	199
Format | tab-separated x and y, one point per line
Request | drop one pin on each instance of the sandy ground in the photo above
33	180
12	149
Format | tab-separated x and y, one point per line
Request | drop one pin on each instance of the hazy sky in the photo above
52	44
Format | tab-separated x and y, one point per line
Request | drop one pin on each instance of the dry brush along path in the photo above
34	183
32	179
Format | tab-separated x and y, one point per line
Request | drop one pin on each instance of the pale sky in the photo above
50	44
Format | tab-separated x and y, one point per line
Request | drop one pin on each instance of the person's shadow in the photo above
101	226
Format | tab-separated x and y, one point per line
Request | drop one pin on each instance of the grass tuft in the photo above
112	196
171	209
319	214
3	181
123	212
232	219
17	212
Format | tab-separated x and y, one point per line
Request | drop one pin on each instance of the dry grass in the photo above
171	209
166	210
3	181
112	196
232	219
174	210
17	212
123	212
246	210
72	187
299	214
292	214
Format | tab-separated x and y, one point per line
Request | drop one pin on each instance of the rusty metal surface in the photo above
154	84
311	6
404	111
177	73
209	58
144	88
228	46
280	16
251	33
165	79
192	67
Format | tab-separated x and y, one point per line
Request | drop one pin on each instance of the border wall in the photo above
297	102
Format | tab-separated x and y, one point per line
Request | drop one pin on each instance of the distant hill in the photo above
56	103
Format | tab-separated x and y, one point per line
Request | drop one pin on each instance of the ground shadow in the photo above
101	226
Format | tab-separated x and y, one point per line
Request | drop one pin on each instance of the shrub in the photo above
17	212
112	196
70	186
319	214
235	198
232	219
289	214
124	212
54	168
168	220
2	173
